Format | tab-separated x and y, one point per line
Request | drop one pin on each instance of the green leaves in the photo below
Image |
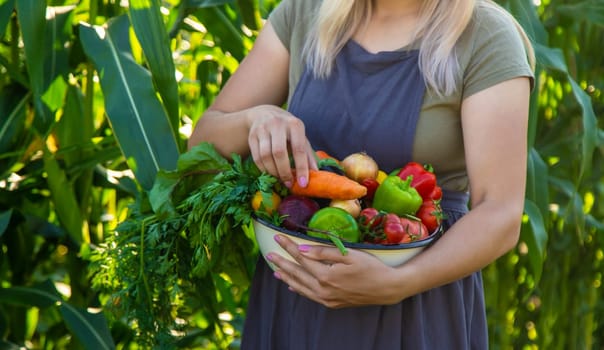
32	17
90	328
590	10
199	161
149	27
64	199
554	59
6	10
535	236
4	220
138	118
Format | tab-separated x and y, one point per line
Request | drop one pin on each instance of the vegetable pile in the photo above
186	251
352	200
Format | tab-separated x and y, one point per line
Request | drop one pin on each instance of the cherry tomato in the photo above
370	218
430	214
415	229
265	202
437	193
393	229
395	232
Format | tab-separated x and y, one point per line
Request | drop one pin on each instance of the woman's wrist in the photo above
402	285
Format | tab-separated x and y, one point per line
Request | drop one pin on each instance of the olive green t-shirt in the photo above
490	51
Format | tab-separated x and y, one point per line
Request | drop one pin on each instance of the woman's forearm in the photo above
228	132
490	230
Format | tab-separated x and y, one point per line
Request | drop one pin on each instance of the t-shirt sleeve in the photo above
281	20
497	54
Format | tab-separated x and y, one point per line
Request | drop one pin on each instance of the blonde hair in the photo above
440	25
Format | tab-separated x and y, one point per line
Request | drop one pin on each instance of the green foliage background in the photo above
96	97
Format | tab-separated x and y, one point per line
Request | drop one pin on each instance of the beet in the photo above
296	210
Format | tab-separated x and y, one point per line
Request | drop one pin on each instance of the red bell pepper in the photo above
371	185
423	180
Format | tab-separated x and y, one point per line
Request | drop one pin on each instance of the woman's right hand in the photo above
274	136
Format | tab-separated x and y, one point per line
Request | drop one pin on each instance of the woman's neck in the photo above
391	26
396	8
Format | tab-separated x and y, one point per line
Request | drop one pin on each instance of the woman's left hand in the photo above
326	276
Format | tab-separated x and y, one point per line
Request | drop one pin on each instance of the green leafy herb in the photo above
181	243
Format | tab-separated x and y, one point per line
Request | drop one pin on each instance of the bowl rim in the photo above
372	246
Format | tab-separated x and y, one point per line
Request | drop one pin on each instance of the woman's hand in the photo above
274	135
332	279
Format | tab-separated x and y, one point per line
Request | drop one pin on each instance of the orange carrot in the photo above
324	155
325	184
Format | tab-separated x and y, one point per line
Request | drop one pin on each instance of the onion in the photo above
360	166
352	206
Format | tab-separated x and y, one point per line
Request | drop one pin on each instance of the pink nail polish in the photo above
277	275
302	181
288	184
277	238
304	248
269	257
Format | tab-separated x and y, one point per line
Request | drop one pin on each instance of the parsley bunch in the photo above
182	245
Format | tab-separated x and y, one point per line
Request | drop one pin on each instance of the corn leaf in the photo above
554	59
535	236
138	119
13	103
6	10
91	329
32	19
149	27
5	220
591	10
536	187
224	32
64	198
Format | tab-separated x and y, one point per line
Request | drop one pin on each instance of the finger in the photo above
265	153
299	147
255	152
281	155
301	282
293	275
312	257
312	159
324	254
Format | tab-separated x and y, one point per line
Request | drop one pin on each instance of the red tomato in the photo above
370	218
437	193
430	214
415	229
395	232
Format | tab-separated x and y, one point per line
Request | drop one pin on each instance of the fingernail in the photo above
277	238
269	257
288	184
277	275
302	181
304	248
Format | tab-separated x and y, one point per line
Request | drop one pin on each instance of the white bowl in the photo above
392	255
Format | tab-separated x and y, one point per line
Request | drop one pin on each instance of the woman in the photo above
433	81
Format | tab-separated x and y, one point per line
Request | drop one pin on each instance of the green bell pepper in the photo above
396	195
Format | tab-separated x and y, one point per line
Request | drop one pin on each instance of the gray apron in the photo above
370	103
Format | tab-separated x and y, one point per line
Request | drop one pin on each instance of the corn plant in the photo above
97	98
